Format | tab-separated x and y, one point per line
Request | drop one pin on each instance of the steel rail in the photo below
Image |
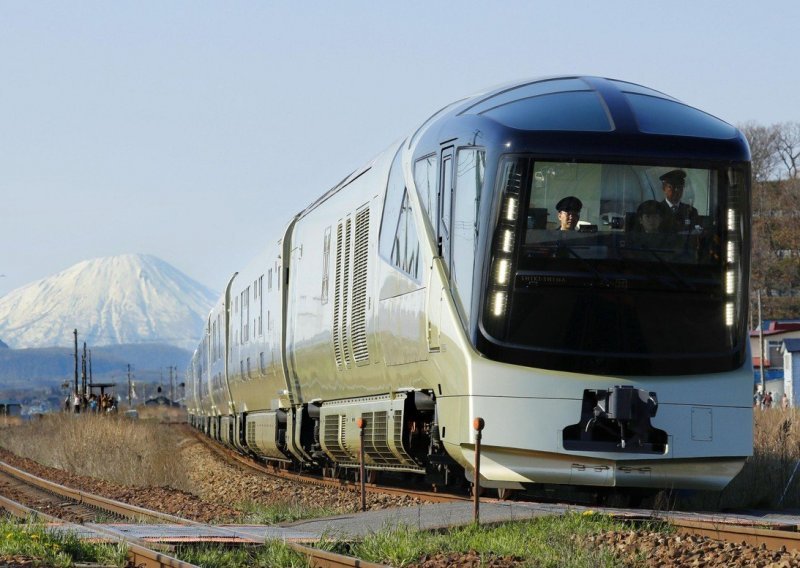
323	559
110	505
138	551
309	479
141	555
773	539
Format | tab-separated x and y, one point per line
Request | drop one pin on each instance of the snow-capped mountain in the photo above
132	298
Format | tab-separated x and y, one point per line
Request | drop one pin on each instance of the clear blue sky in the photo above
193	130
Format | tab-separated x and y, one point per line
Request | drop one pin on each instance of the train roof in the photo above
584	114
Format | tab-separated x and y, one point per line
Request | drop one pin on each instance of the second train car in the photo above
433	286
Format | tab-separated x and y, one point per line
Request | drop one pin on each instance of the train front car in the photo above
603	344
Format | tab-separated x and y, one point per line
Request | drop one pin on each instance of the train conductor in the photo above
678	216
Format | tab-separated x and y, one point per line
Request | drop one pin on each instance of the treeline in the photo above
775	266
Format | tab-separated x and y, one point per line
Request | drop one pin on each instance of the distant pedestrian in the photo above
758	399
784	401
76	403
768	400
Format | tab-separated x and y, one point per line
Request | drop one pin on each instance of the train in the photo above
436	285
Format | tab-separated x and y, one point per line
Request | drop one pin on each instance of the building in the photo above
781	360
791	370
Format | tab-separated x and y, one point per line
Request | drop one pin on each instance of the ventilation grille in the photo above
251	435
360	259
346	293
337	302
333	436
376	444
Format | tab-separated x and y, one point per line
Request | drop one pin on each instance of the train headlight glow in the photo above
499	303
508	241
511	209
729	314
502	271
730	282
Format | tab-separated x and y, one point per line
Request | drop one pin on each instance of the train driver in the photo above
569	212
679	216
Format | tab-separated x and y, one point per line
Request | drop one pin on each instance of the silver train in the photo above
433	286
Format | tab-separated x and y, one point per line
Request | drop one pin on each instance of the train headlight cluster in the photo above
732	259
502	268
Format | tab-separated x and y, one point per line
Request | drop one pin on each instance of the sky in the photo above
193	130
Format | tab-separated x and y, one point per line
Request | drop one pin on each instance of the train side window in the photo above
326	256
405	250
426	178
466	198
399	240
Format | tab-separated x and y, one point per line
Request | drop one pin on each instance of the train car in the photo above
436	285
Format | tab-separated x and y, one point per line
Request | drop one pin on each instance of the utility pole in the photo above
172	385
130	388
75	333
91	378
83	371
761	346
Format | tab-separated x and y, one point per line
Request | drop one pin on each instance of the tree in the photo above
788	146
763	142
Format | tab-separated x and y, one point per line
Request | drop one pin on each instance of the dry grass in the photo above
766	480
129	452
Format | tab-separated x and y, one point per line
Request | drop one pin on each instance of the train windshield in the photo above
622	268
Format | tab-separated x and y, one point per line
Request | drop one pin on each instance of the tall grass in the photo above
124	451
765	478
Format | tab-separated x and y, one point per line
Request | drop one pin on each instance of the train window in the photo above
399	240
262	368
656	115
405	250
527	91
447	195
260	303
469	181
326	256
572	111
636	280
426	176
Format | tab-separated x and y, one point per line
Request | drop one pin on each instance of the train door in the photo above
445	205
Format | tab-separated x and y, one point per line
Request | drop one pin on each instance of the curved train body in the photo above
433	286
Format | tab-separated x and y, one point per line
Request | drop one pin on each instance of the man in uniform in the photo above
677	216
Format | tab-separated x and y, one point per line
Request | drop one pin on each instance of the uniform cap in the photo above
569	203
674	177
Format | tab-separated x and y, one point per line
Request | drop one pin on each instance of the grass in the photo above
543	542
766	475
124	451
31	539
261	514
272	555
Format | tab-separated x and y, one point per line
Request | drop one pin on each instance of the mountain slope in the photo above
131	298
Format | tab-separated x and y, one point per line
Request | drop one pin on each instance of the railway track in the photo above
310	479
83	513
774	536
72	505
